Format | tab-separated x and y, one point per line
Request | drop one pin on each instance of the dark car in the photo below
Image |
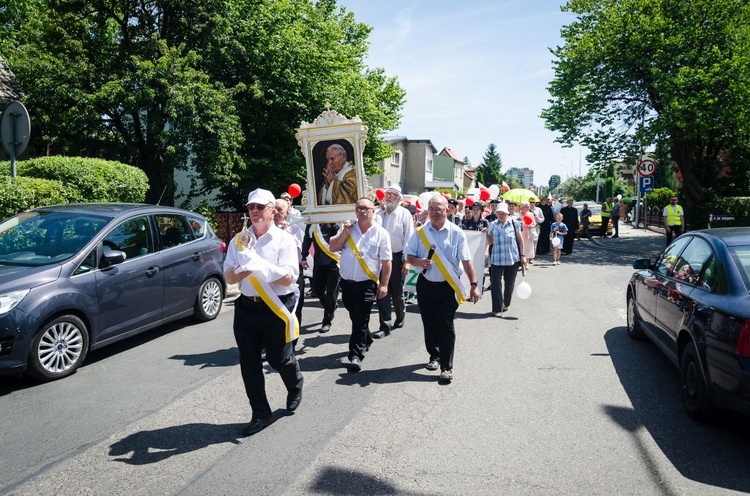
693	303
74	278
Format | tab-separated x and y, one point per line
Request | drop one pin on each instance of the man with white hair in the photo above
263	261
398	222
339	178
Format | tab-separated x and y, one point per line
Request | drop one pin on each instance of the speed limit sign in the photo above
646	167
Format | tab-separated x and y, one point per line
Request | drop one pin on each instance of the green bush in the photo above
734	206
29	192
91	179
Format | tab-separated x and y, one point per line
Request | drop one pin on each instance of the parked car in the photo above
693	303
595	221
74	278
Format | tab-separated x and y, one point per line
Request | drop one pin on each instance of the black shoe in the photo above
293	399
616	236
354	364
398	324
379	334
263	355
325	329
255	426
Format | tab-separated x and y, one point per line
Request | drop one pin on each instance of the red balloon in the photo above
416	204
528	218
484	194
294	190
469	202
380	194
407	202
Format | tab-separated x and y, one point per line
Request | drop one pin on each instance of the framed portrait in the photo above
333	147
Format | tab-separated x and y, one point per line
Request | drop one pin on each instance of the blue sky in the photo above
475	73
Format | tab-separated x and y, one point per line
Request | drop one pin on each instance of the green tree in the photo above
668	73
217	85
554	183
489	172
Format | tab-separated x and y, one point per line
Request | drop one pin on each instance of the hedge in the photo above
50	180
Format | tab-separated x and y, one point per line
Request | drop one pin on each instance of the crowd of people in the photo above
366	261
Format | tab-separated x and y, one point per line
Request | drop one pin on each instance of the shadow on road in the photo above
219	358
716	454
406	373
142	448
335	481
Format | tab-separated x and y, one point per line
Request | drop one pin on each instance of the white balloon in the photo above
619	197
556	242
494	191
523	290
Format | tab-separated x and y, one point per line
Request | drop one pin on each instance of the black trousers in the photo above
358	298
256	327
325	284
605	222
673	230
567	245
301	303
395	294
437	306
502	283
615	226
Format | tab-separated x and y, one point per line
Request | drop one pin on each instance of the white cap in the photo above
503	207
394	187
260	197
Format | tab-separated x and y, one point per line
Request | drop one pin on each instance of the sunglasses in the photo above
256	206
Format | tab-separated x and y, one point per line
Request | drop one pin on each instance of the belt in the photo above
423	278
258	299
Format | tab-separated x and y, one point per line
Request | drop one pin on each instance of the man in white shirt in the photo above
268	255
365	253
280	216
436	295
400	226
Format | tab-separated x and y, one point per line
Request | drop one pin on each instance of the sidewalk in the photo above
646	242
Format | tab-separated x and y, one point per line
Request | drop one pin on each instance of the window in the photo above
692	260
429	165
132	237
396	159
174	230
668	258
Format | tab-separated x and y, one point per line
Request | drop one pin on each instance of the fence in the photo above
228	224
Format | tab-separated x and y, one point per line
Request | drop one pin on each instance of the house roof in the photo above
450	153
7	83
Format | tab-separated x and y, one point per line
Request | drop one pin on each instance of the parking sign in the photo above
646	184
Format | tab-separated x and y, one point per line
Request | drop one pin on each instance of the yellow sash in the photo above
270	298
447	271
320	240
361	260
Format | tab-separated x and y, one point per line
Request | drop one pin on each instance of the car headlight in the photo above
8	301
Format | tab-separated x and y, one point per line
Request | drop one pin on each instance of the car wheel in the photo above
58	349
210	297
634	323
695	398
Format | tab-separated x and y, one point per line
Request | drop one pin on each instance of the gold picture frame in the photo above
333	147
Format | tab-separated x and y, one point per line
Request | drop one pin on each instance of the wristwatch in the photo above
473	284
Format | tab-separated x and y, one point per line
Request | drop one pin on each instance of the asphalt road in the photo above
552	399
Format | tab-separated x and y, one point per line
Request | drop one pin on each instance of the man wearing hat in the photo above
262	260
398	222
452	212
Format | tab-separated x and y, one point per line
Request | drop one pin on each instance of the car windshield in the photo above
741	255
595	208
41	238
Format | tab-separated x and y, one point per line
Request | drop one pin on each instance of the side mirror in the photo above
111	257
642	263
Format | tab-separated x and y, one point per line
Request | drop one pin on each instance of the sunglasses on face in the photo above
255	206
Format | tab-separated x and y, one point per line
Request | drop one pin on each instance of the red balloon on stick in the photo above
469	202
294	190
484	194
380	194
528	218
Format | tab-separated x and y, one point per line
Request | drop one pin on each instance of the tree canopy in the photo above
489	172
219	85
670	74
